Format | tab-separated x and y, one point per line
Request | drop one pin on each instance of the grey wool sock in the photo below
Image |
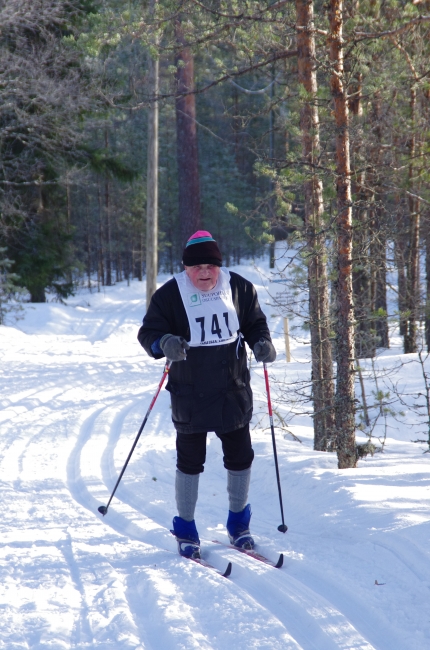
238	488
186	487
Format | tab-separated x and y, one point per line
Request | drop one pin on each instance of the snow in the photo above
75	386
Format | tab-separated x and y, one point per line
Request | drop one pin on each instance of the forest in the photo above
126	126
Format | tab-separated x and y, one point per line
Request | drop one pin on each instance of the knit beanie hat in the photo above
201	248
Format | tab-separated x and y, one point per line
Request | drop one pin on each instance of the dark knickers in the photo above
236	446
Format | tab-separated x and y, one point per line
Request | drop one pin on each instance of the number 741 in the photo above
215	328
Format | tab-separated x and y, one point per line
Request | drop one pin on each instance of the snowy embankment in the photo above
75	386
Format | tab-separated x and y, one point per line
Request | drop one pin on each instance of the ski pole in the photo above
282	527
103	509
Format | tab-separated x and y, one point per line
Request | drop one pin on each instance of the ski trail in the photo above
313	620
171	617
416	563
14	445
305	613
81	634
129	497
370	622
147	460
108	619
110	318
85	467
305	607
70	409
57	588
178	622
39	599
169	621
109	470
105	587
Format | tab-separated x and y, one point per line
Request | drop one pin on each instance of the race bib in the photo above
211	314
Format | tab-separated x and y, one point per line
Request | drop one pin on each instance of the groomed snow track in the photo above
70	578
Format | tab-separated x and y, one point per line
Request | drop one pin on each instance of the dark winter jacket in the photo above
210	391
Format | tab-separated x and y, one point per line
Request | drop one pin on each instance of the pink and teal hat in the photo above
201	248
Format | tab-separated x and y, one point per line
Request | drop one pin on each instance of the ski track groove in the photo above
97	422
110	583
367	621
81	633
420	559
310	617
32	411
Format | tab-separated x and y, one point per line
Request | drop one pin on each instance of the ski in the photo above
197	558
254	554
202	562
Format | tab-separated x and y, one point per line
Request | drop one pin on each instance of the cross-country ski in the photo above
254	554
202	562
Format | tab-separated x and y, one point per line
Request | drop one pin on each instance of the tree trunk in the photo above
108	224
412	282
140	256
108	235
272	212
345	395
412	267
186	140
427	307
152	178
400	249
69	205
426	224
378	232
364	339
118	249
378	254
100	265
322	366
37	293
88	240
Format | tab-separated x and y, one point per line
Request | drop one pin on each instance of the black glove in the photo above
174	347
264	351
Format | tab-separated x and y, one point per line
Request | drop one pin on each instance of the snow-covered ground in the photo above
75	386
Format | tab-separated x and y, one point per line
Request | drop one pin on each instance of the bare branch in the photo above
394	32
285	54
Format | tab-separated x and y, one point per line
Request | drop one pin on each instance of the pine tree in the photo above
345	396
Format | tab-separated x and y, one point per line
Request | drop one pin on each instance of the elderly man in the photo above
198	320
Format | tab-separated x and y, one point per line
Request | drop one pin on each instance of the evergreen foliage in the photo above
73	141
10	292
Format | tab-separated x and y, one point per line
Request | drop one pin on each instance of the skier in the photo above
198	320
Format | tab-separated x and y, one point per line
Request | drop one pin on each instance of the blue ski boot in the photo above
238	528
187	537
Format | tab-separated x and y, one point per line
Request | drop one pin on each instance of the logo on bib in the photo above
194	299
